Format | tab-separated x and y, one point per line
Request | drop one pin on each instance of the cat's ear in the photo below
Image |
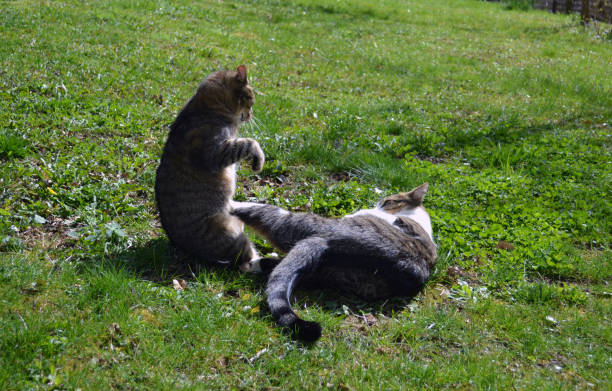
417	194
241	76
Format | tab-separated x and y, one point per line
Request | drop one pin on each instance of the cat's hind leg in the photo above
282	228
222	242
253	263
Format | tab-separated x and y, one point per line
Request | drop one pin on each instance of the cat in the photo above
196	177
374	253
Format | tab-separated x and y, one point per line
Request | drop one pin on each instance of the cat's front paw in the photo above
251	267
257	157
261	265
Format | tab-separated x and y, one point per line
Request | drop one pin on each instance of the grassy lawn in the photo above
506	113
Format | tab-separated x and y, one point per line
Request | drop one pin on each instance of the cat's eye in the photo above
388	203
244	98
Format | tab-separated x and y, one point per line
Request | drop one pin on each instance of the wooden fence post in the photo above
585	13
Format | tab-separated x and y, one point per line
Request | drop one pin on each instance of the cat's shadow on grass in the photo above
157	261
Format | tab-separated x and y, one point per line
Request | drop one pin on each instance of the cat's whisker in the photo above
256	123
260	124
249	125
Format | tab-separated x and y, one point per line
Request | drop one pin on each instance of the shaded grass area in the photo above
507	114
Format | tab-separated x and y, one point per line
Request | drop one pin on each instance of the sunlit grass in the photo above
506	113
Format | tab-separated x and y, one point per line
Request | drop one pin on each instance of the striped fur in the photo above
196	177
362	254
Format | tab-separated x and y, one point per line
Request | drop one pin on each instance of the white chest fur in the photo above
230	176
388	217
419	215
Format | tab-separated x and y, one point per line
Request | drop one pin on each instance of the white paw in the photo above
252	266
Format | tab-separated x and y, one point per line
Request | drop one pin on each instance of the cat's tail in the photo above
305	256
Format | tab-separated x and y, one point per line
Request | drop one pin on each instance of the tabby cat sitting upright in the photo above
196	177
374	253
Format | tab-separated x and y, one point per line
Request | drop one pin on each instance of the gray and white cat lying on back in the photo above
373	253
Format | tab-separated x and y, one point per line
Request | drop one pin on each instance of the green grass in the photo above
506	113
